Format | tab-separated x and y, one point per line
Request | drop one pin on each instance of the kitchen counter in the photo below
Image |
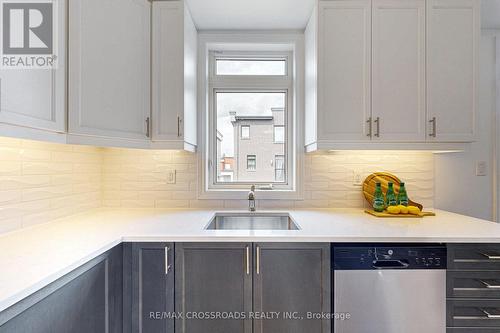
34	257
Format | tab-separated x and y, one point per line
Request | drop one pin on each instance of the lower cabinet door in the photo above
86	300
152	287
213	287
293	281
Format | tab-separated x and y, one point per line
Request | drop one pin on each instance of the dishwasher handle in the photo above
390	264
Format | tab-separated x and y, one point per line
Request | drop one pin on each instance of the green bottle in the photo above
378	199
402	196
390	197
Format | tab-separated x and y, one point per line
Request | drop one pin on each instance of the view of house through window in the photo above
250	136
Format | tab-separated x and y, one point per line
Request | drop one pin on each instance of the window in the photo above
251	162
279	168
250	66
249	111
279	134
245	132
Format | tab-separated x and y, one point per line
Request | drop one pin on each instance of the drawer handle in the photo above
490	315
489	285
494	256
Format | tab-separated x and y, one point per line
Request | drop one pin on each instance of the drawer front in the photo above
473	330
474	257
473	284
473	313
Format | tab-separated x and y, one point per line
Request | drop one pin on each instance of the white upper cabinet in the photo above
340	33
391	74
398	55
109	72
174	76
453	31
35	98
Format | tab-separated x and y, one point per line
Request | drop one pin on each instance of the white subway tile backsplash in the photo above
328	179
43	181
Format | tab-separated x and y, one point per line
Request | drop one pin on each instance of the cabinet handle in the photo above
258	260
490	315
248	260
167	266
370	125
179	122
148	125
489	285
377	133
433	131
494	256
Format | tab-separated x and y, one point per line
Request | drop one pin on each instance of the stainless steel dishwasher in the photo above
383	288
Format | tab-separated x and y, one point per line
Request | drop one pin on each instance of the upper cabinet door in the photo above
344	70
35	98
174	75
168	73
398	95
453	30
109	68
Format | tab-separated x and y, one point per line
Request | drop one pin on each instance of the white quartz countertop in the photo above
32	258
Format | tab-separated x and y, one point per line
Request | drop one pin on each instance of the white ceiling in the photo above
491	14
250	14
281	14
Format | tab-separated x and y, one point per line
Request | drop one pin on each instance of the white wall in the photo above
457	187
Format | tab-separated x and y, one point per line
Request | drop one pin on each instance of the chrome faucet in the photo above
251	199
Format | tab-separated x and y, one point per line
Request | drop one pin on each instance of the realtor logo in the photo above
28	34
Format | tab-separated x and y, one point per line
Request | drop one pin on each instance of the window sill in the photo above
243	195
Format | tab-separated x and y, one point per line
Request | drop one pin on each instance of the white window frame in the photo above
255	161
260	45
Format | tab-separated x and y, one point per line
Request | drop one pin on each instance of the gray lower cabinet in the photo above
212	279
292	279
88	299
149	287
289	279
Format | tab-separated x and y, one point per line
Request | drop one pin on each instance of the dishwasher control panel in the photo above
387	256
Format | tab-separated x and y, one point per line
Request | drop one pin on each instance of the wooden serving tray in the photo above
385	214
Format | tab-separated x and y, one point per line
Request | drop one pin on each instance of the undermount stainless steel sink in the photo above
252	221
